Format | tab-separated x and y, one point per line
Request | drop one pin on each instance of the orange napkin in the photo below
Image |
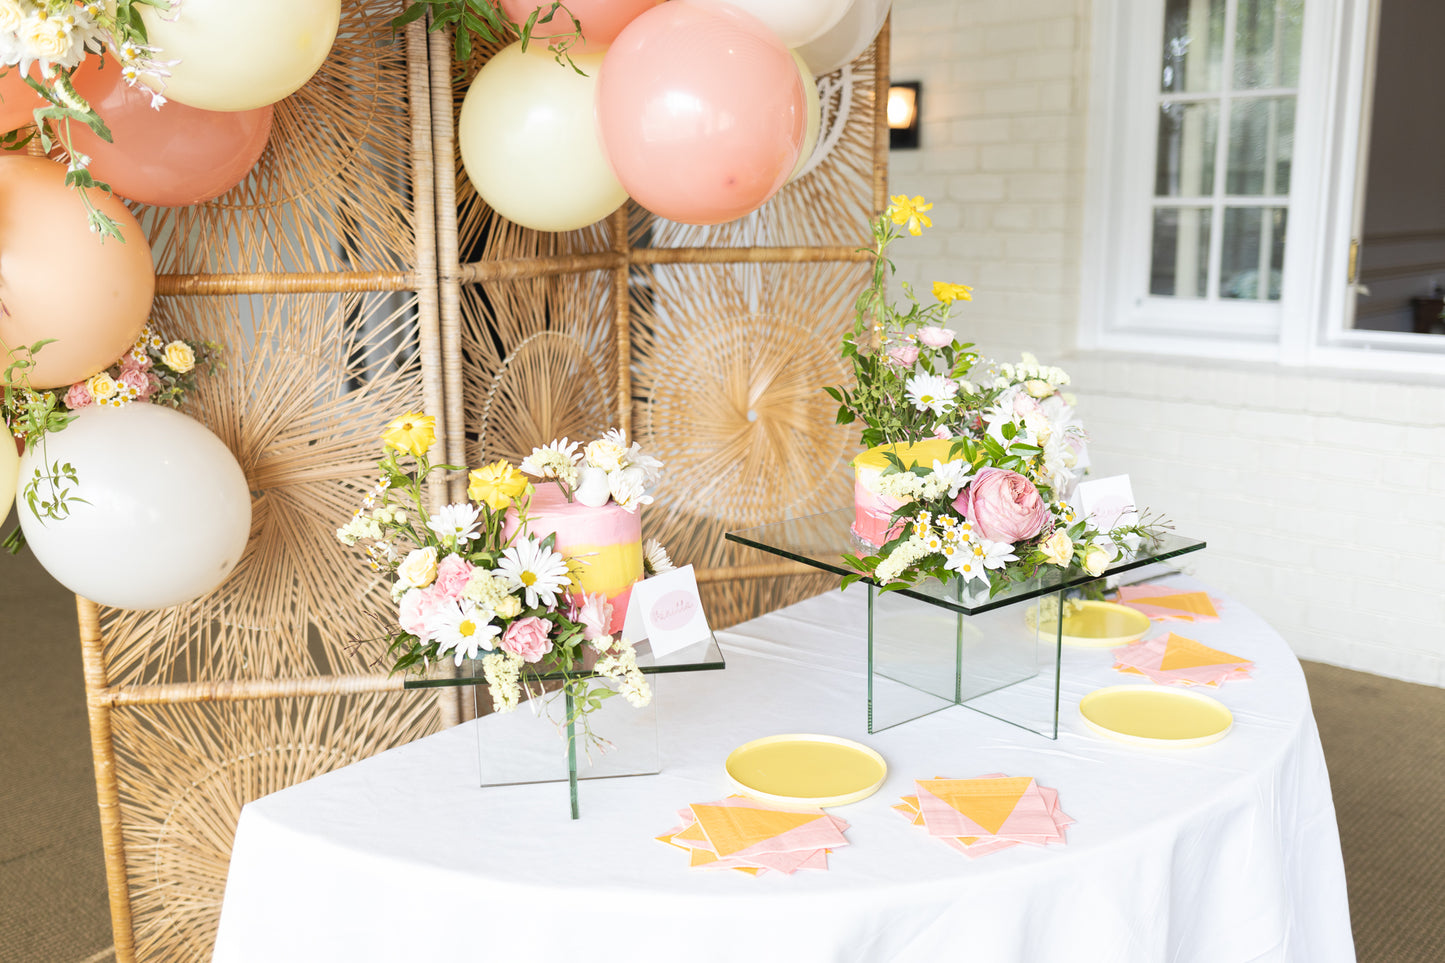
1175	660
988	813
1169	605
750	836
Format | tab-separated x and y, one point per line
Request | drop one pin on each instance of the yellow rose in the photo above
1058	549
1038	388
413	432
497	484
179	357
1096	559
419	568
949	293
101	386
45	38
508	607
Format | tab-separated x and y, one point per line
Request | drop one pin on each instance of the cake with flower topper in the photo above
590	501
969	463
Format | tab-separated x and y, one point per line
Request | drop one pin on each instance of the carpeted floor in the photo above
1378	734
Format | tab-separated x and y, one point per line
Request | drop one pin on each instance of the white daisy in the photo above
456	522
464	627
953	475
540	572
655	559
967	565
557	460
933	393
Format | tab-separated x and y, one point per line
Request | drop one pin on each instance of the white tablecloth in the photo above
1223	853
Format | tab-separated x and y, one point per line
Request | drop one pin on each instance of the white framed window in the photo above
1226	180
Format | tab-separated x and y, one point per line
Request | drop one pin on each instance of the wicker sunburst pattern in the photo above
215	758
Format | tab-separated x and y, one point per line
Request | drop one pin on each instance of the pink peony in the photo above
903	355
453	573
418	607
528	638
1004	506
595	616
136	379
78	397
936	337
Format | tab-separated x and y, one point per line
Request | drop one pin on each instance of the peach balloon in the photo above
17	100
171	157
602	20
702	112
58	280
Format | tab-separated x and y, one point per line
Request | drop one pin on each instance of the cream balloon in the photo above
794	21
240	56
165	515
9	473
528	138
814	110
848	38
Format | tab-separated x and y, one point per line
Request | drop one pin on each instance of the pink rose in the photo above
528	638
1004	506
903	355
418	607
136	379
453	573
595	616
935	337
78	396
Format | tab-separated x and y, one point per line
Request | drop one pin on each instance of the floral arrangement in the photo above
490	24
56	36
155	370
995	511
608	469
470	586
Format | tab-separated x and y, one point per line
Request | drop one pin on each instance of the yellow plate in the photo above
1149	715
806	770
1099	624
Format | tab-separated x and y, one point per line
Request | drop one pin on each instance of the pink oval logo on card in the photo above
673	610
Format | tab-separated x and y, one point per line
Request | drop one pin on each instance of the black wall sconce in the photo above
905	103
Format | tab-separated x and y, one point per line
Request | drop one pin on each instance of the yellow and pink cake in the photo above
606	541
872	510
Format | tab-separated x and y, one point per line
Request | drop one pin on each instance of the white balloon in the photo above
9	472
814	110
166	511
794	21
848	38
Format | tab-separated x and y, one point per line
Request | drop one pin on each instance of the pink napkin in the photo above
1174	660
1165	604
757	837
988	813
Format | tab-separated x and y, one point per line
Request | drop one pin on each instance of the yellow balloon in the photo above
529	141
814	109
9	472
242	55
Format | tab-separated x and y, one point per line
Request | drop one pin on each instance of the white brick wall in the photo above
1322	497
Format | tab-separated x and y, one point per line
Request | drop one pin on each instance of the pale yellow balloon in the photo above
242	55
9	472
814	109
528	137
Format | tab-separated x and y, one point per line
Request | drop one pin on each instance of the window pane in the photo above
1253	249
1193	45
1261	146
1181	252
1267	42
1184	164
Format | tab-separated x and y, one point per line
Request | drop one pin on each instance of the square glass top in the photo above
697	657
822	540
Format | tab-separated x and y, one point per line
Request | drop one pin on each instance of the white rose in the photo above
1058	549
1096	559
11	16
606	454
419	568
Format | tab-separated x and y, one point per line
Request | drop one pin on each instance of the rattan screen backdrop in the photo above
356	274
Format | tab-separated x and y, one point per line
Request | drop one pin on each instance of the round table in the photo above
1227	852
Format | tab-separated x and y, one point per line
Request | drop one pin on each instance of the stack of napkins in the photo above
750	836
986	814
1175	660
1162	603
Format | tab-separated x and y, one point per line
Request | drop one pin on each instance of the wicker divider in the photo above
350	278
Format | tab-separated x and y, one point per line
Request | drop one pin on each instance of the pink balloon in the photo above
170	157
702	112
17	100
602	20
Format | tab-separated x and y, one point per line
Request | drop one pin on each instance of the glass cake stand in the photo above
940	644
532	744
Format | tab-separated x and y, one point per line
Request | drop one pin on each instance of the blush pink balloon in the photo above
602	20
702	112
170	157
17	100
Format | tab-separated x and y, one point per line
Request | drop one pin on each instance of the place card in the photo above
666	610
1107	502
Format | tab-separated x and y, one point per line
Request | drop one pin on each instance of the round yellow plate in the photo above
1150	715
806	770
1100	624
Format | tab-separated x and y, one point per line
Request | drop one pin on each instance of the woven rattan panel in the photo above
356	274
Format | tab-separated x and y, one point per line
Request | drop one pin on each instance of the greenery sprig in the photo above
489	24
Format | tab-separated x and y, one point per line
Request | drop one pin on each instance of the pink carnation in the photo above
453	573
528	638
137	380
78	397
595	616
419	607
1004	506
903	355
936	337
